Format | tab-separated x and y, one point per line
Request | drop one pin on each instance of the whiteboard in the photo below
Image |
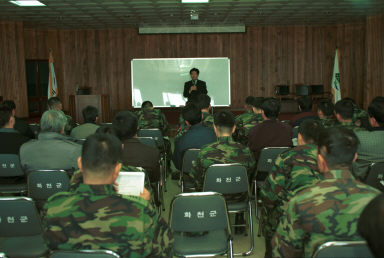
161	81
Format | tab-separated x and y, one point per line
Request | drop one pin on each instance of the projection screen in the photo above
162	80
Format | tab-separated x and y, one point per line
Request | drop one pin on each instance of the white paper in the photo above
131	183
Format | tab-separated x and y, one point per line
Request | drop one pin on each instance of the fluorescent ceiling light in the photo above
194	1
27	3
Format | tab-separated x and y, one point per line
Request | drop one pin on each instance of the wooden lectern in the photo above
102	102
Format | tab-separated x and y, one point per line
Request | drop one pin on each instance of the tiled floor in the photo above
241	243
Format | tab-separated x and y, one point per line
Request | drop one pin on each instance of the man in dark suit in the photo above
135	153
10	139
194	84
20	125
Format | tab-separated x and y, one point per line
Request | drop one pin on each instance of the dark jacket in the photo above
196	137
270	133
201	87
11	141
140	155
22	127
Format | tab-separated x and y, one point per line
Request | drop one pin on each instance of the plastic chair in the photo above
35	129
190	155
267	158
232	179
20	228
44	183
200	225
343	249
84	254
375	176
11	175
149	141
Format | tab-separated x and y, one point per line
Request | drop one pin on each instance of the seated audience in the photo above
248	114
204	102
329	209
135	153
225	150
325	109
371	225
271	132
52	150
54	103
305	108
344	110
360	116
149	117
11	140
197	136
20	125
371	148
95	216
243	127
91	119
293	170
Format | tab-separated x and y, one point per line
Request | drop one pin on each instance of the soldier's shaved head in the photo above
338	146
100	156
371	225
224	122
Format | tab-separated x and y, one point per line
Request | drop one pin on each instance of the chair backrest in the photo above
35	129
342	249
10	165
190	155
375	176
197	212
155	133
84	253
44	183
302	90
149	141
19	217
295	132
268	156
226	179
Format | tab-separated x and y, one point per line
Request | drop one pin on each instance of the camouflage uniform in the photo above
294	169
243	127
224	151
97	217
207	119
349	125
245	117
359	114
152	118
326	211
327	122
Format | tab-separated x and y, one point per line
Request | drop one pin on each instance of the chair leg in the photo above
251	233
256	209
230	251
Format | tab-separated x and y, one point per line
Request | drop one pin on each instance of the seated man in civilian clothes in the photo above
91	119
271	132
293	170
371	148
52	150
54	103
135	153
225	150
94	216
344	110
197	136
325	109
305	107
243	127
371	225
20	125
329	209
11	140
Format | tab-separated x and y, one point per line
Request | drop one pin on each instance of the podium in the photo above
102	102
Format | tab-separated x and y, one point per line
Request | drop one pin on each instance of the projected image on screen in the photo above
162	80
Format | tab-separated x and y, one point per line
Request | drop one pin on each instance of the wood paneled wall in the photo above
375	58
261	58
12	66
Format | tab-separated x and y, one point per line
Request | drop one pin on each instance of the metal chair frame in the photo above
83	253
193	151
331	244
